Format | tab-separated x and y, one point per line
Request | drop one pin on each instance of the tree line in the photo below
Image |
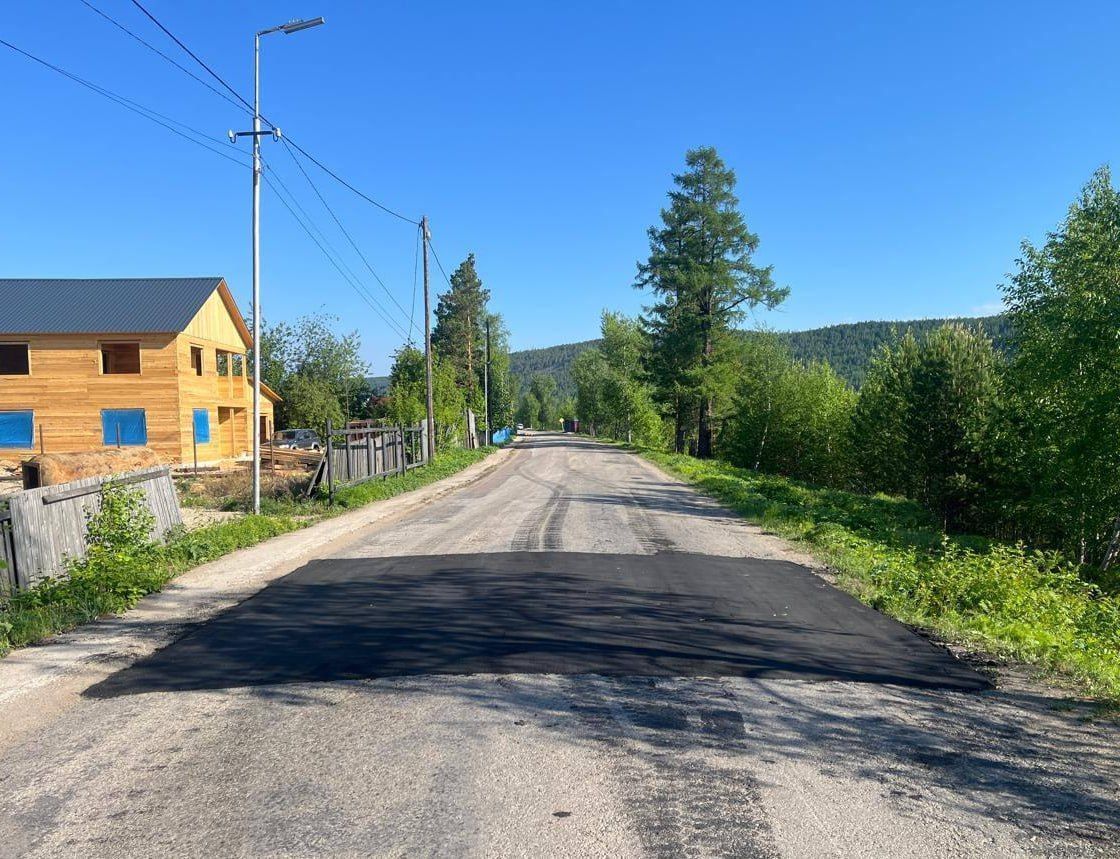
1007	430
847	348
321	376
459	364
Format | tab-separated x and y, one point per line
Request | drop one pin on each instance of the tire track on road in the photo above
543	526
680	753
649	534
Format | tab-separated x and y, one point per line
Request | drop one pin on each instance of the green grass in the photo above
1008	600
111	582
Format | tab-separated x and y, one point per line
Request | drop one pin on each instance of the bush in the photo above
789	418
892	553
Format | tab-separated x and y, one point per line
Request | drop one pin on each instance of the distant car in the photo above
297	439
520	427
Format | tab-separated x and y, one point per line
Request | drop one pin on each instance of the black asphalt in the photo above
670	614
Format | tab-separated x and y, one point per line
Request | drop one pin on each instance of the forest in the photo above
847	348
321	376
960	474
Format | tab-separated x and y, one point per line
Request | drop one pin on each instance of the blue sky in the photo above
891	156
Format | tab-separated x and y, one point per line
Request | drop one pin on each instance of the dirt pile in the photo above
56	468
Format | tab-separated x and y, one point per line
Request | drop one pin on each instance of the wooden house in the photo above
94	363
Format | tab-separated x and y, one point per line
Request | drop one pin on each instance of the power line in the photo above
156	50
308	223
299	148
193	55
346	184
345	232
435	256
349	277
134	106
169	123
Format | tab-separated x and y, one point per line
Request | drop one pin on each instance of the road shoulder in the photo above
43	679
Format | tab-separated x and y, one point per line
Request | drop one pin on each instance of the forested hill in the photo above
554	361
848	348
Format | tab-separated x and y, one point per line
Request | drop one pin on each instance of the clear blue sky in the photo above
891	156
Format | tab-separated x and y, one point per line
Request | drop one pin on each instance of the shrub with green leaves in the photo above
123	565
892	553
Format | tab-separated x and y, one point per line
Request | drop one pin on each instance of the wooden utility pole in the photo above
486	387
431	451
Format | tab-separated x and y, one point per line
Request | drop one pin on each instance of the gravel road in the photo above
573	655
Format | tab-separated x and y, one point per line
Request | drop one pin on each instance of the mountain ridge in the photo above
846	346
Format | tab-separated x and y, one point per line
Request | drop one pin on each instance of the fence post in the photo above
346	441
330	470
194	442
401	464
369	455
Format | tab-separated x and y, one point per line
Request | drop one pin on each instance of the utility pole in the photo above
287	29
431	452
486	386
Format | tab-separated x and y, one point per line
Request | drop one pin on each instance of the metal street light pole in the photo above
290	27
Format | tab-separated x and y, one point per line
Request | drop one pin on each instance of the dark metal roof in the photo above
93	305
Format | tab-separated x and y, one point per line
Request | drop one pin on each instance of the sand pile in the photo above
63	467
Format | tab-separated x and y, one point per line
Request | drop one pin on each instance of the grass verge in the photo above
114	581
1008	600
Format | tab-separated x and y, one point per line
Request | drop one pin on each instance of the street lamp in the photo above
290	27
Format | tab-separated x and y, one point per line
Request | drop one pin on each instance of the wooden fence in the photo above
8	580
48	524
357	454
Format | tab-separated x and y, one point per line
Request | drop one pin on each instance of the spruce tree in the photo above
458	333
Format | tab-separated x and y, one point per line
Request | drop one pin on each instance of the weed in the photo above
1015	602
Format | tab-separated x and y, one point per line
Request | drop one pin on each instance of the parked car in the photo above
520	427
297	439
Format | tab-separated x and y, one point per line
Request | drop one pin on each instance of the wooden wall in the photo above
213	329
67	390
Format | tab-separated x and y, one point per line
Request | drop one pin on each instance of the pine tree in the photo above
700	270
458	333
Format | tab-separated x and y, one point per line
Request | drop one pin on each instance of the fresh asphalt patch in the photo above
665	615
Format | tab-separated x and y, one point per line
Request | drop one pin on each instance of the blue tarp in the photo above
202	426
132	422
501	436
17	429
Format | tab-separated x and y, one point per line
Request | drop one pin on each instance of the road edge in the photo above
54	672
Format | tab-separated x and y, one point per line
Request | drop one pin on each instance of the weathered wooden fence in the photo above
357	454
8	579
48	525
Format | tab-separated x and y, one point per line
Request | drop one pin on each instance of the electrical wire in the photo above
193	55
345	232
346	184
323	245
156	50
289	145
137	108
299	148
308	223
435	256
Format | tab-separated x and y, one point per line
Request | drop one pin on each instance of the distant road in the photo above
572	656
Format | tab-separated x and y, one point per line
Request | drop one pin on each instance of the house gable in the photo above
219	321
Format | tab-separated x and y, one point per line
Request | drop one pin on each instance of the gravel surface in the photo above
546	764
